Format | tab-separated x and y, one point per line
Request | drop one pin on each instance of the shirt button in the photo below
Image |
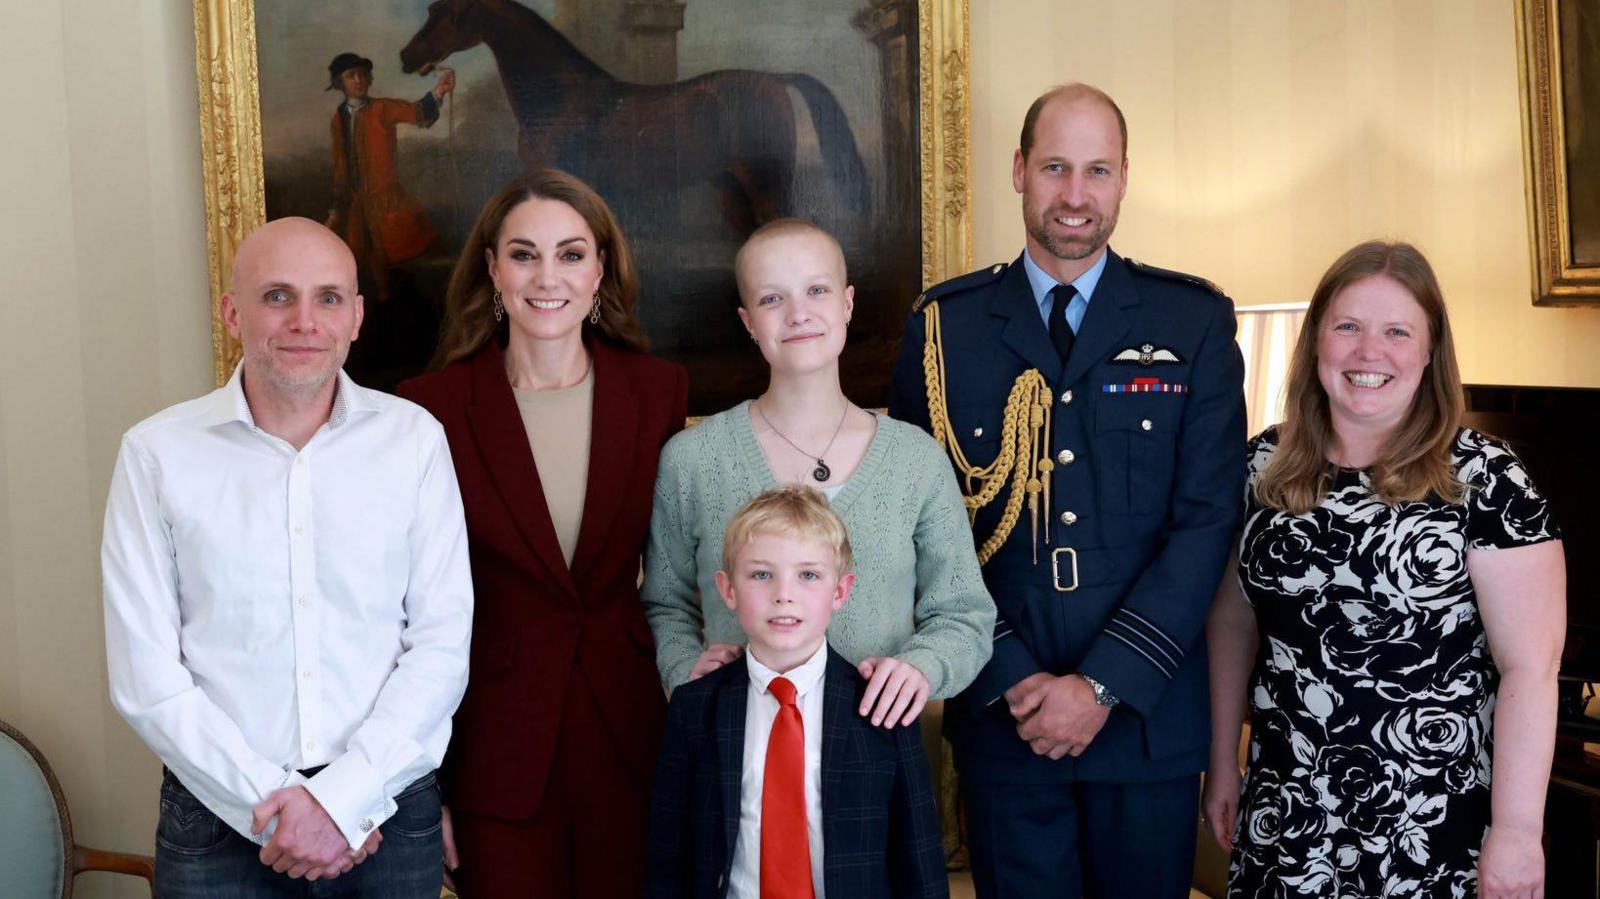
299	460
302	600
1069	518
1145	424
306	675
1066	397
311	745
1065	457
300	530
366	825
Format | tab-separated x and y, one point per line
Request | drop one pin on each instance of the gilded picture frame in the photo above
228	73
1558	48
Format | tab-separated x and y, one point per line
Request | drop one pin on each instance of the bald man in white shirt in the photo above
288	602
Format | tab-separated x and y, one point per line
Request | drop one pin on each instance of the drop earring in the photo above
594	309
499	308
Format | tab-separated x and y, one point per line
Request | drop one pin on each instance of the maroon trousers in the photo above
586	841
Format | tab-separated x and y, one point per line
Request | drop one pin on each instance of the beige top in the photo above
559	425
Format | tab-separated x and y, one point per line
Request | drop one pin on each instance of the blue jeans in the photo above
199	857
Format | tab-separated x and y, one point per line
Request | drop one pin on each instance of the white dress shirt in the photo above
760	710
269	610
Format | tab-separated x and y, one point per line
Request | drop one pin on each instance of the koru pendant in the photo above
822	472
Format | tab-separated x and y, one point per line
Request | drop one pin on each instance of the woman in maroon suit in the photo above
555	418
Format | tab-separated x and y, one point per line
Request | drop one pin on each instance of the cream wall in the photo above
1267	136
103	312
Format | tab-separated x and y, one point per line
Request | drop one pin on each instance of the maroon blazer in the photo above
535	623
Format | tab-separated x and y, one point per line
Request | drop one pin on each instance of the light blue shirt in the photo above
1042	284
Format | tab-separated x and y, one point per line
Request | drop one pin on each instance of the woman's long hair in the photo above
1416	460
469	320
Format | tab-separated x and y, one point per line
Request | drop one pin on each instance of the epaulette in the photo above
1168	274
959	284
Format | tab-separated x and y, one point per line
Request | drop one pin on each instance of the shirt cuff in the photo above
353	796
241	820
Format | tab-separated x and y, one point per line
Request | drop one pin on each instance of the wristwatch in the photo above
1102	696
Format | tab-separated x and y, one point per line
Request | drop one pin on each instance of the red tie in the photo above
785	842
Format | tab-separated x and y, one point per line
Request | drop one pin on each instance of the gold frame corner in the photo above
1556	279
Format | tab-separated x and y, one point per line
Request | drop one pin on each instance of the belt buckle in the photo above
1055	568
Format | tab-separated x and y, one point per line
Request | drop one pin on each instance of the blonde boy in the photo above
769	749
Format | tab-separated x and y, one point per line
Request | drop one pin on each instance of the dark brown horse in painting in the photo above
733	128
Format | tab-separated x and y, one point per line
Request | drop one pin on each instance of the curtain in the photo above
1266	337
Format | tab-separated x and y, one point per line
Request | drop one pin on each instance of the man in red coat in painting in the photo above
383	225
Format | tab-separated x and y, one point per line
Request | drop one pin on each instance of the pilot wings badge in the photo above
1147	355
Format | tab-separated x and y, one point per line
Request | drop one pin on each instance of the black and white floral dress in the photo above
1373	692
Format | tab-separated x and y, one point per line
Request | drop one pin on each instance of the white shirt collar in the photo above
229	403
804	676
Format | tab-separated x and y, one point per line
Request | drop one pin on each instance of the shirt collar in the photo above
355	105
804	676
229	403
1042	282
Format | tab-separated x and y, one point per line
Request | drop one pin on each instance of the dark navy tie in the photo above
1060	332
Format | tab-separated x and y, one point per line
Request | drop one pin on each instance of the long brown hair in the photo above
469	320
1416	460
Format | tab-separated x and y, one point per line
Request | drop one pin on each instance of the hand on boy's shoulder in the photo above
705	684
895	694
717	655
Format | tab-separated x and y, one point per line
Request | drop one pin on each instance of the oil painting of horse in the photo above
697	122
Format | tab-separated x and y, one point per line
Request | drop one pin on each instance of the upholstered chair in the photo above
38	857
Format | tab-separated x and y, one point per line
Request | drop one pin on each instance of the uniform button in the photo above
977	432
1066	397
1065	457
1069	518
1145	424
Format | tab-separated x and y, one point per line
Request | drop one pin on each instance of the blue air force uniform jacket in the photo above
1148	435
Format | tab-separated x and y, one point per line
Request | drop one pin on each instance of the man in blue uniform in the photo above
1093	408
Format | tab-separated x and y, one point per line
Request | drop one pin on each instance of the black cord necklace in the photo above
822	472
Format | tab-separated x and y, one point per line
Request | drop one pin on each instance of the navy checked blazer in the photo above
880	828
1148	422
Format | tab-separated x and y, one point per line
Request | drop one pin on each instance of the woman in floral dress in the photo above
1398	573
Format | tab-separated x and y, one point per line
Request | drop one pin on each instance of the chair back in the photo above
35	833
